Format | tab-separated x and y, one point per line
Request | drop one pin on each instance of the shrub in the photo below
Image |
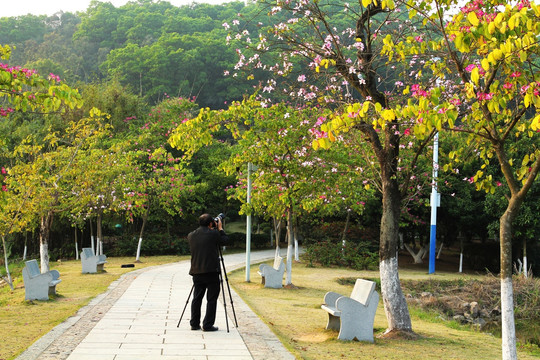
153	244
330	253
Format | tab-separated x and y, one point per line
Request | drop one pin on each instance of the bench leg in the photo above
334	322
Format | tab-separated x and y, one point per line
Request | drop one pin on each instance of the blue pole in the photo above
435	202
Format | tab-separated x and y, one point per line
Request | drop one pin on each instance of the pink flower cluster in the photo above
471	67
417	91
14	70
484	96
5	112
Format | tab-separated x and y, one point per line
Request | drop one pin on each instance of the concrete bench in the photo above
272	276
92	263
353	316
38	286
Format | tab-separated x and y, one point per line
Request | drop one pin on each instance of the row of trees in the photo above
416	71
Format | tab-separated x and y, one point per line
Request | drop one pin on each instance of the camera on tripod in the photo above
217	218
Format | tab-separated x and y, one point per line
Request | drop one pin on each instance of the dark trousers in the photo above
209	284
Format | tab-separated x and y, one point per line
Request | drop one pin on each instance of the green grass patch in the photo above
296	318
23	322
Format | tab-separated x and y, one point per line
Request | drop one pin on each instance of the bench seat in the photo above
38	286
353	316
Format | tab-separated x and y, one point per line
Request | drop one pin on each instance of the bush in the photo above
258	241
153	244
330	253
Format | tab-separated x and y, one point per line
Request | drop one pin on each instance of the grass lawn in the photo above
293	314
23	322
296	318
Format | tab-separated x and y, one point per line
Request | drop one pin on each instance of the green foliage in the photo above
153	244
330	253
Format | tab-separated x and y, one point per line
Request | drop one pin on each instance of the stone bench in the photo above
272	276
353	316
38	286
92	263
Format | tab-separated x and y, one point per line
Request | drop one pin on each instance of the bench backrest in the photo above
277	262
362	291
88	253
33	268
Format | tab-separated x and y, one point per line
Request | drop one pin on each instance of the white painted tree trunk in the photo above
92	244
461	262
288	278
296	251
416	256
138	250
24	252
76	246
508	327
44	256
7	264
392	295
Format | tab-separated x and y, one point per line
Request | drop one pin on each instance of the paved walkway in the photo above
137	319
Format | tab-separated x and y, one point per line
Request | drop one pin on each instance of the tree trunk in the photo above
290	237
145	218
6	263
44	232
509	351
99	234
395	305
419	255
295	236
76	245
525	265
92	236
345	229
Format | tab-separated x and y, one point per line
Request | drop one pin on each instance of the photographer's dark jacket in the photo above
203	244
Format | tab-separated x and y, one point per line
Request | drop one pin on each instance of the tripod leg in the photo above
228	287
230	297
224	301
187	301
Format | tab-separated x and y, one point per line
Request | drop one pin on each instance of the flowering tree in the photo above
493	48
345	44
290	175
24	90
159	180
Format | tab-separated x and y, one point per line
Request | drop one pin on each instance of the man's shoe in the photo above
196	327
212	328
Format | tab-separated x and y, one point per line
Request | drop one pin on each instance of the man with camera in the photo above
205	269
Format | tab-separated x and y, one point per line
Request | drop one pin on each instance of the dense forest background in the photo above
154	48
127	60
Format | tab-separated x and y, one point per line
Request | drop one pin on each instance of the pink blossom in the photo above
508	86
515	74
4	170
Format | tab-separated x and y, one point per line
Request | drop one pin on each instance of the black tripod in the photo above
221	272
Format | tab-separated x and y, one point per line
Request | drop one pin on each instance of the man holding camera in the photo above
205	269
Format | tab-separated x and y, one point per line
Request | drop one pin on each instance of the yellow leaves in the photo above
485	64
388	115
475	75
366	3
325	63
535	125
473	19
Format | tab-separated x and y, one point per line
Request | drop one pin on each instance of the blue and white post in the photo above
435	202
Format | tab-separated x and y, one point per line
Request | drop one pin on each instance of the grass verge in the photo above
296	318
23	322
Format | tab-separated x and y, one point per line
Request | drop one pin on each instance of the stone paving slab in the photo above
138	318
